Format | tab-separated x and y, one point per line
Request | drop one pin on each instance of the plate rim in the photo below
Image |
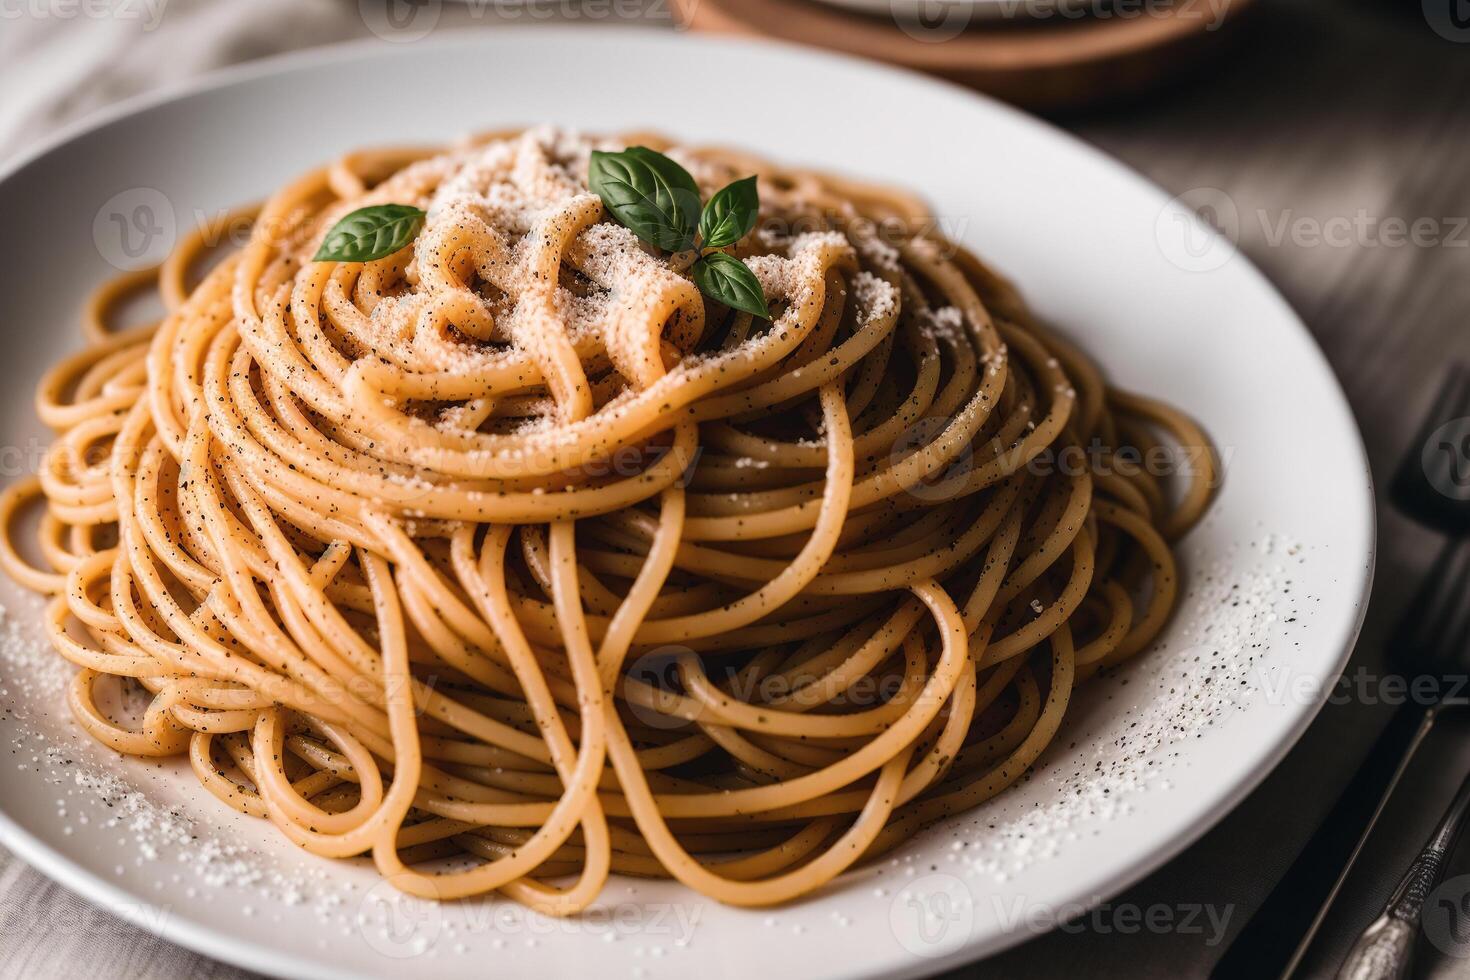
222	945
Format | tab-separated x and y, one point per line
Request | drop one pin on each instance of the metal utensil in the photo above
1384	950
1432	486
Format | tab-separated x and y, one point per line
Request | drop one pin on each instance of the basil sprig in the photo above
371	233
730	214
722	276
648	193
657	200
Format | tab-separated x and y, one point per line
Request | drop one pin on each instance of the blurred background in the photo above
1328	138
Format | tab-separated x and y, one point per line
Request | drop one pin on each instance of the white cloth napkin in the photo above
63	59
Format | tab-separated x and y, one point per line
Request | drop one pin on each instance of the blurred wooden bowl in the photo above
1046	63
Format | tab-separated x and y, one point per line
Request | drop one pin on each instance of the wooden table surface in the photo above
1328	126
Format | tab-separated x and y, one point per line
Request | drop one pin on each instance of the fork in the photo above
1432	486
1384	949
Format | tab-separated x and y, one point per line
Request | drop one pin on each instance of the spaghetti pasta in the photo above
513	561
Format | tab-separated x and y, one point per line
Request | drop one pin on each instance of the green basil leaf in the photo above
371	233
723	277
730	214
649	194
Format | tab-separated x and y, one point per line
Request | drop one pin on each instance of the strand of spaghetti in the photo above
651	813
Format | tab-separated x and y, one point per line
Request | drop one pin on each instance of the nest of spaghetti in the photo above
513	561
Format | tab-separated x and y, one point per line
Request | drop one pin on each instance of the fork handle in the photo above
1383	950
1273	942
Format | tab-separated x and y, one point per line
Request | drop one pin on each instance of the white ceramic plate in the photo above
1277	574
